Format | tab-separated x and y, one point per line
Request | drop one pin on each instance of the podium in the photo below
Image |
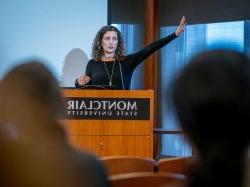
110	122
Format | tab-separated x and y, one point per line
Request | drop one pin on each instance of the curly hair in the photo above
97	50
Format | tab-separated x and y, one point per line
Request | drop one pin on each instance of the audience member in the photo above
34	149
212	99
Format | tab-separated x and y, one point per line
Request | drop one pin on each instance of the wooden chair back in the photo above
147	179
127	164
178	165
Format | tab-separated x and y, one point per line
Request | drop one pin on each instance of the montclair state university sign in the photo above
107	108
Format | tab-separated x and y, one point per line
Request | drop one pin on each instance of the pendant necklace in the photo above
110	76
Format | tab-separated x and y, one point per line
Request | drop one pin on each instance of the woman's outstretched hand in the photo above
181	27
83	79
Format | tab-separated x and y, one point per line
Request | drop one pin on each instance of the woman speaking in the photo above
110	66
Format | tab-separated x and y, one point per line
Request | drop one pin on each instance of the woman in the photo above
110	66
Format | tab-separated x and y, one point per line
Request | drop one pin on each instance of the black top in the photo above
122	69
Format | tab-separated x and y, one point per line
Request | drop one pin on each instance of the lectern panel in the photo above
110	122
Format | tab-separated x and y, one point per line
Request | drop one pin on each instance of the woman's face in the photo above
109	42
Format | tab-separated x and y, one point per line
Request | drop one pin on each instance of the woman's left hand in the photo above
180	28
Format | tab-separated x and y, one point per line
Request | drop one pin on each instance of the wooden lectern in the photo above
110	122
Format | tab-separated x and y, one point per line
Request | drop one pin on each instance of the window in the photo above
195	38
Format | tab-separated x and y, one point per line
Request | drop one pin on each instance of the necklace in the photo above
110	76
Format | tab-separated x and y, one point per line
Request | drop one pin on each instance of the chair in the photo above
178	165
127	164
147	179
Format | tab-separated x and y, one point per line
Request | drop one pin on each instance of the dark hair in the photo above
212	100
97	51
33	81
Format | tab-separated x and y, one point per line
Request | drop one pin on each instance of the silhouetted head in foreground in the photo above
29	93
34	148
212	100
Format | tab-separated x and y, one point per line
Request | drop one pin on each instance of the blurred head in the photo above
29	91
108	39
212	100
